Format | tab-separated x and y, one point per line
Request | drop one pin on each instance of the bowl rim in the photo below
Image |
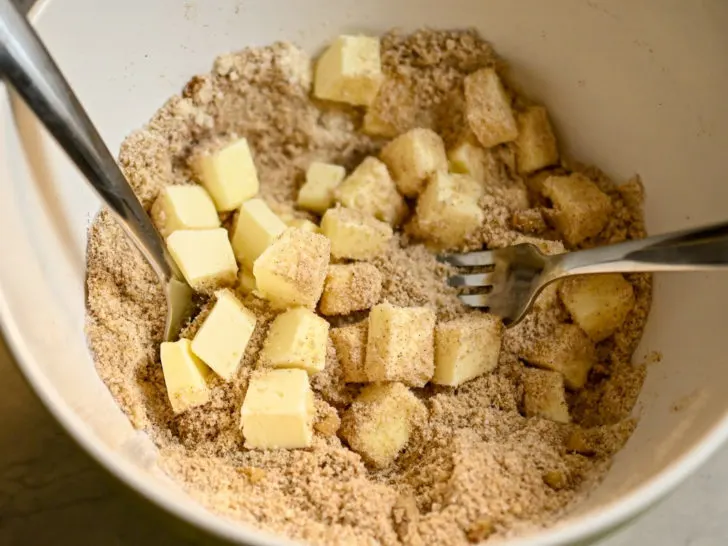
585	526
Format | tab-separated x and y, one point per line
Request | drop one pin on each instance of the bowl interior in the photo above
633	87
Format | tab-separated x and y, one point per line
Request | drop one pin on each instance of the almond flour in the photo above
477	469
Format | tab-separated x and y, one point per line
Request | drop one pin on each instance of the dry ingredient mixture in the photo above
477	468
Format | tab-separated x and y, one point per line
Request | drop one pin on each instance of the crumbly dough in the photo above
478	468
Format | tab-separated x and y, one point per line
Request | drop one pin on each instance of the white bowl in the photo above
632	86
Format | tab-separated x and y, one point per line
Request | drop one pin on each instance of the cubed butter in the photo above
256	227
371	190
292	270
599	304
304	224
317	193
400	344
184	207
393	111
488	109
355	235
184	375
466	348
467	157
205	258
349	71
349	288
221	340
350	343
536	143
447	211
378	424
414	156
229	174
544	395
297	339
567	350
581	208
278	411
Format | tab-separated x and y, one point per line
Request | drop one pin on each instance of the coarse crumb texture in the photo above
476	468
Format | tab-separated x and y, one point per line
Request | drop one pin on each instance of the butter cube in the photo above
544	396
599	304
297	339
184	207
380	421
349	288
292	270
229	175
350	343
205	258
447	211
371	190
536	143
488	109
278	411
255	229
393	111
317	193
414	156
246	281
466	348
184	375
305	225
349	71
355	235
400	344
221	340
467	157
581	208
567	351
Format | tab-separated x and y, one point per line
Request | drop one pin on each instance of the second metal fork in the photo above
516	275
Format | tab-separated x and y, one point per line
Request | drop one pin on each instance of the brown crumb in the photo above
254	475
480	530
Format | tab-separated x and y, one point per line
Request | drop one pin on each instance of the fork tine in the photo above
476	279
482	257
475	300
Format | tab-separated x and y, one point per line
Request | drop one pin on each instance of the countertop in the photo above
52	493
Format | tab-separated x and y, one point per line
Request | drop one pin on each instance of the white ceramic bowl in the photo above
632	86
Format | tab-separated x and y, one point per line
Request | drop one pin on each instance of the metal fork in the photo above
28	67
516	275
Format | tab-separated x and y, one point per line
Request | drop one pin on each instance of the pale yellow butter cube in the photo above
380	421
246	281
184	207
184	375
400	344
544	395
446	213
297	339
304	224
221	340
350	343
393	111
229	175
278	411
371	190
349	288
488	108
567	351
205	258
466	348
355	235
599	304
467	157
349	71
292	270
536	143
581	208
317	193
414	156
256	227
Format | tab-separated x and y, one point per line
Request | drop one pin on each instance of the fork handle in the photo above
704	248
28	67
